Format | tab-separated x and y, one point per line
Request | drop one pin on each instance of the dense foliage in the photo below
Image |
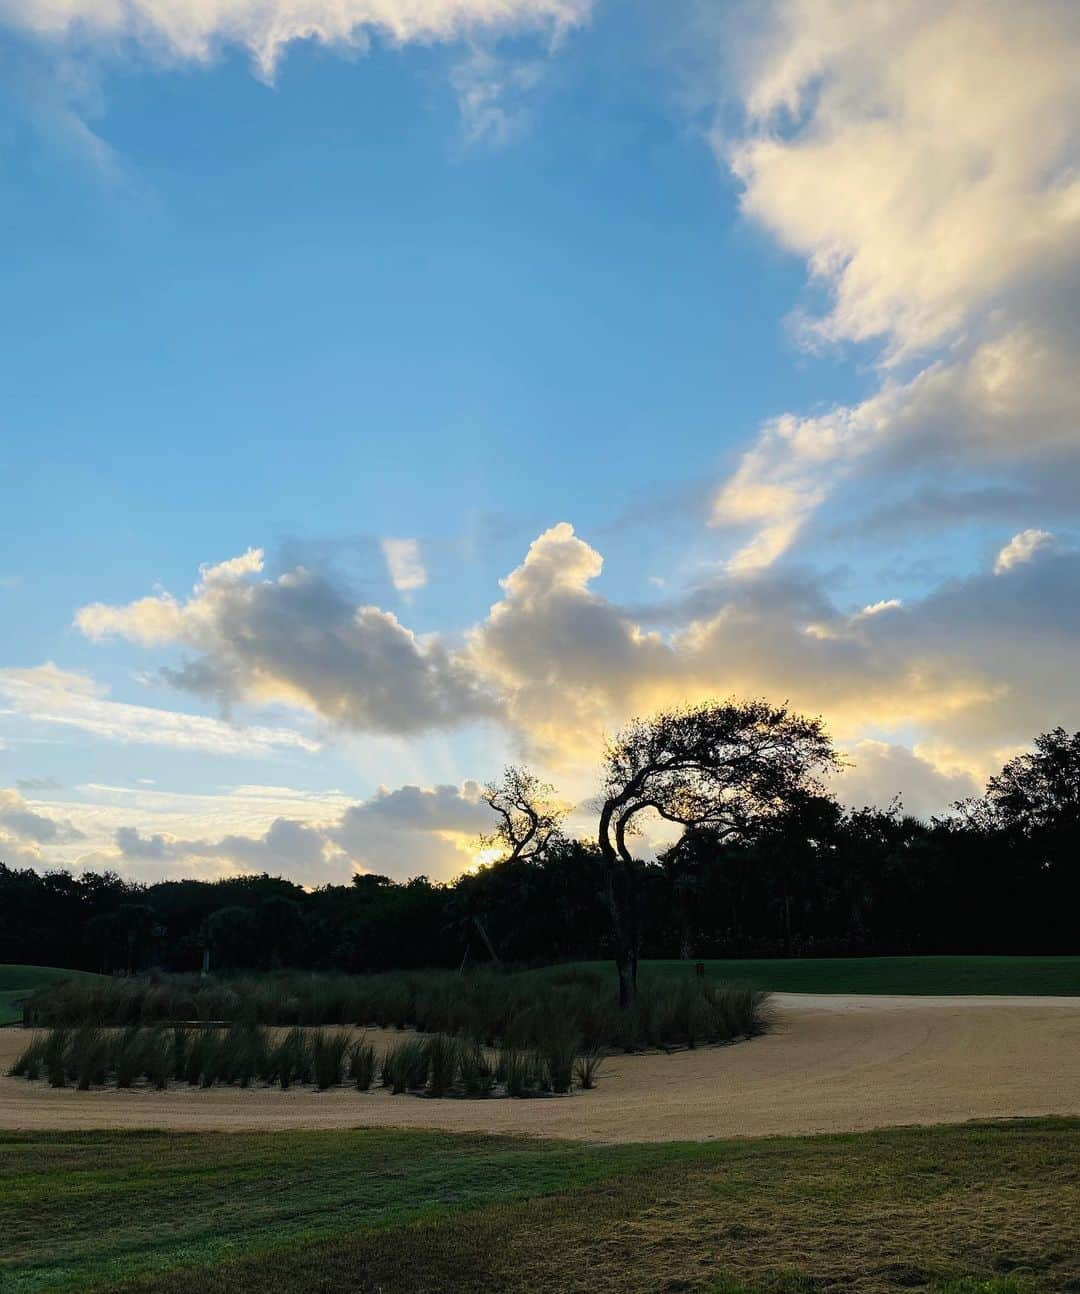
1001	875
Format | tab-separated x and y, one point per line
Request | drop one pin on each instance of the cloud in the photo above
300	641
47	694
18	819
921	157
918	154
880	771
196	30
405	564
1025	547
402	832
26	784
974	665
492	92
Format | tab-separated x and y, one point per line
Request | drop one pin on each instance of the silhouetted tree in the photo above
726	766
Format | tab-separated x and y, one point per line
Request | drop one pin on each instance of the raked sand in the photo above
834	1062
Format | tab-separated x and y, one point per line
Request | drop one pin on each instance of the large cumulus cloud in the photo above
298	640
973	668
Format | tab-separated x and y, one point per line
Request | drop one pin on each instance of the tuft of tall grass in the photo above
443	1054
290	1060
477	1072
87	1057
405	1066
328	1053
362	1064
28	1063
586	1069
157	1057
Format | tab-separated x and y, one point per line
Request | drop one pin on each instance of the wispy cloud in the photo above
46	694
405	564
195	30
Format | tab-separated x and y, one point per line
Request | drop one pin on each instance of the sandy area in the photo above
833	1063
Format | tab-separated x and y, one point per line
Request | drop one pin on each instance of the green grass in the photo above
17	981
1055	976
972	1209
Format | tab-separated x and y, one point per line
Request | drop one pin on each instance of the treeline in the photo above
1000	875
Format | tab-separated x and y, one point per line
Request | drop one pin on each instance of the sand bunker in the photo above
834	1063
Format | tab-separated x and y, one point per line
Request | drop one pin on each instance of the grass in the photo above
558	1012
971	1209
18	982
1037	976
439	1064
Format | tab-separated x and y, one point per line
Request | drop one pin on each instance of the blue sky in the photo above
460	286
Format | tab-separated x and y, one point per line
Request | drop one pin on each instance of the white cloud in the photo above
195	30
46	694
921	156
1025	547
405	564
492	92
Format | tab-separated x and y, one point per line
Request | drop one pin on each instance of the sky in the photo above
395	389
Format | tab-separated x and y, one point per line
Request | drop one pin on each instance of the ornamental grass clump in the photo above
157	1057
54	1057
181	1044
362	1065
405	1066
126	1060
477	1072
88	1057
586	1068
290	1060
328	1053
28	1063
443	1056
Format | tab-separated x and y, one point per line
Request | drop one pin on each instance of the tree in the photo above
1036	795
529	816
726	766
529	822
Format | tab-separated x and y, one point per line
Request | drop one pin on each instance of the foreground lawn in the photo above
992	1206
1054	976
17	981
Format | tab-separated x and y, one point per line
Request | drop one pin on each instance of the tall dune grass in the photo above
526	1011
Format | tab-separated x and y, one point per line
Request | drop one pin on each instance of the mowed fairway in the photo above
428	1213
